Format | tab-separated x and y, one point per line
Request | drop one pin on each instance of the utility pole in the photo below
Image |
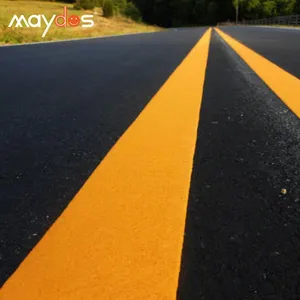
237	12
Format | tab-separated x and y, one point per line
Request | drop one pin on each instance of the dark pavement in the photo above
242	234
64	105
279	45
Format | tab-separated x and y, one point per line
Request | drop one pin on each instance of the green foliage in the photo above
111	7
63	1
76	6
287	7
266	8
12	37
205	12
254	4
120	6
84	4
99	3
108	8
269	8
132	12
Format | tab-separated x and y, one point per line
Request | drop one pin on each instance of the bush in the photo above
120	5
108	8
132	12
99	3
85	4
77	5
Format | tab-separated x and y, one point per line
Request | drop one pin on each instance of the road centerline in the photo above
121	236
247	151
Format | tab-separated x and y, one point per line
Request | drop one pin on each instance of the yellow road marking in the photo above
282	83
121	236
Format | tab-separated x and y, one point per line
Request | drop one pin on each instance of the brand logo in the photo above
37	21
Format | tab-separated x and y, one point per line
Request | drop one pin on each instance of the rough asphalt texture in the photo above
242	236
64	105
279	45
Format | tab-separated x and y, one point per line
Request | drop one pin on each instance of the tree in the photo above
269	8
194	12
286	7
119	5
198	12
85	4
108	8
132	12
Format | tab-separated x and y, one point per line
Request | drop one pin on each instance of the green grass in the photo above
102	27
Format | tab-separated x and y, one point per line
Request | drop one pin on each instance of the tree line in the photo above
110	7
204	12
175	13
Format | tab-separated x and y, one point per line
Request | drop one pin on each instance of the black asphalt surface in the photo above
279	45
242	236
64	105
62	108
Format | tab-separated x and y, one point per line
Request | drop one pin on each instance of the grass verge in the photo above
102	27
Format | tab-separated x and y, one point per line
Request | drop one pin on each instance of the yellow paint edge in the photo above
121	237
282	83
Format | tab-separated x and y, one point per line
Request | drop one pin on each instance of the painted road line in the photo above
121	236
282	83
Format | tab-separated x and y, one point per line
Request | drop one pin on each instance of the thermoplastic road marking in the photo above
282	83
121	236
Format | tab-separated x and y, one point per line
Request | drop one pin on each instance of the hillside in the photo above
103	26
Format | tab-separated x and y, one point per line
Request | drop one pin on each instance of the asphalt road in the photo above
64	106
278	45
242	235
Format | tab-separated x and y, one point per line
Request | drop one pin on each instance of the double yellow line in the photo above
121	236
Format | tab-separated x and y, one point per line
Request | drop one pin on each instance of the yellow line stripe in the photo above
282	83
121	236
